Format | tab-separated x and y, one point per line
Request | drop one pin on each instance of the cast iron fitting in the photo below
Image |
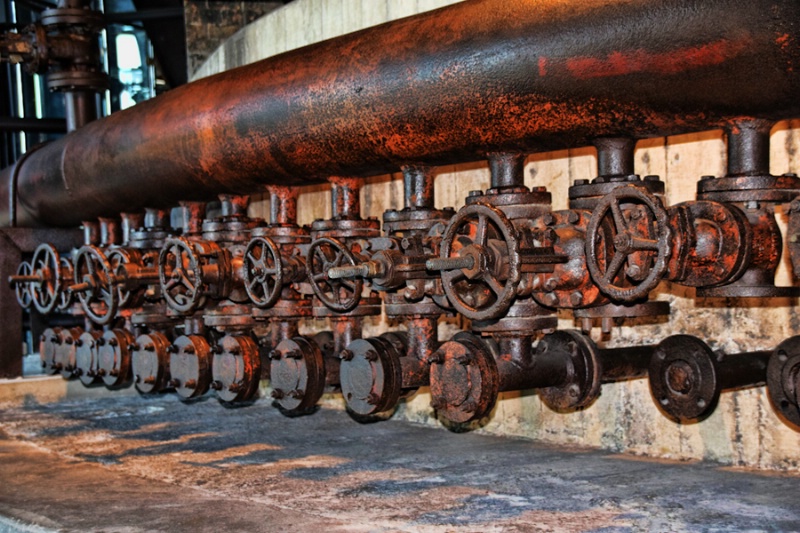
614	156
297	371
464	379
371	373
783	381
418	187
748	147
687	376
282	205
507	171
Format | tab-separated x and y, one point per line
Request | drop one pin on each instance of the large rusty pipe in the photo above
445	86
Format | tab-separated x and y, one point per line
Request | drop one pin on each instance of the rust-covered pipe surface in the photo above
445	86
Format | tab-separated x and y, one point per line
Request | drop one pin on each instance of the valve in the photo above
263	272
190	270
479	262
94	285
636	240
338	294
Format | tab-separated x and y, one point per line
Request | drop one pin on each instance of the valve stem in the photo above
450	263
369	269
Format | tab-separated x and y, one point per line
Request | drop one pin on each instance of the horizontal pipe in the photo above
33	125
442	87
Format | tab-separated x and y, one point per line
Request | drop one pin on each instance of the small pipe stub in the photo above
783	380
684	378
371	374
464	379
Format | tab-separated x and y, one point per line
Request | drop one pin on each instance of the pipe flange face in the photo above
86	357
263	272
297	374
190	366
339	295
583	385
371	375
150	362
783	380
684	378
23	290
486	289
46	265
48	343
121	260
236	368
114	357
464	379
66	349
95	285
641	241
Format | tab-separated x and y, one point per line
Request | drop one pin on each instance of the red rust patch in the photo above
639	61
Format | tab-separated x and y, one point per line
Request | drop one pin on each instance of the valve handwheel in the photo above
118	258
65	297
263	272
340	295
627	244
23	289
180	275
94	284
46	264
479	261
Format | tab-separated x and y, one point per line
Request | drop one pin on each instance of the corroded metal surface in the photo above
545	74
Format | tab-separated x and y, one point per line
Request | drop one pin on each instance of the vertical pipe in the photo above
80	108
748	147
345	201
614	156
281	330
507	170
418	187
282	205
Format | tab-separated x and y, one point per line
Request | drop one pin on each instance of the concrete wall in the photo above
744	429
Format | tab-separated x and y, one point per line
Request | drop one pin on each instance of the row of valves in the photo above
506	261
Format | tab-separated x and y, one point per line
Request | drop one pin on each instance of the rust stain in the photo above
643	61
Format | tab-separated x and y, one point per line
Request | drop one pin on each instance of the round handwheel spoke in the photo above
476	243
644	246
326	253
46	265
99	299
264	272
180	275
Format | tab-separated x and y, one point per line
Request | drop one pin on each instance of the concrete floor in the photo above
126	464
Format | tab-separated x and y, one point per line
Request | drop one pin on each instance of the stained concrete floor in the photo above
128	464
